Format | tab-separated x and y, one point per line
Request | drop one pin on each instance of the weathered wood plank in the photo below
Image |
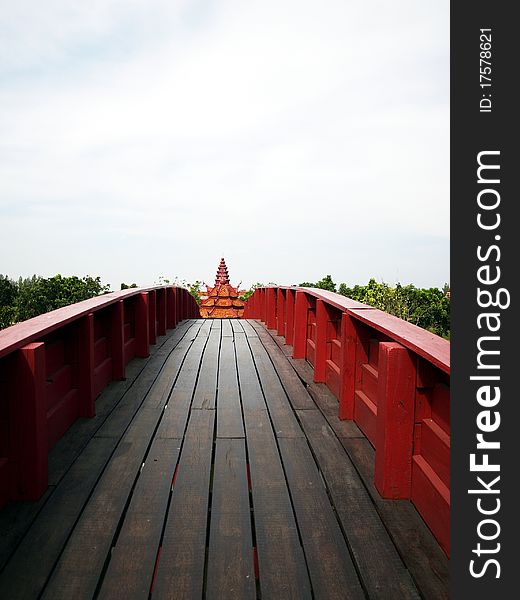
380	566
290	501
294	388
81	563
207	381
250	390
248	327
420	551
229	415
282	567
230	571
282	415
180	570
71	444
28	569
319	392
236	325
16	518
130	571
118	420
227	330
176	411
332	571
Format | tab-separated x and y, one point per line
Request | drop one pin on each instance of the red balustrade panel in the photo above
310	348
271	308
333	351
431	451
53	367
389	376
280	312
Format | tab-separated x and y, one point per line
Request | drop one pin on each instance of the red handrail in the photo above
389	376
17	335
53	366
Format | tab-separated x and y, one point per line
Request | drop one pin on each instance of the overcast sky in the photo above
147	138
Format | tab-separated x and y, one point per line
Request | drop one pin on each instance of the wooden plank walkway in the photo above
215	471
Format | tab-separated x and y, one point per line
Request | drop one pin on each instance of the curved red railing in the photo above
53	367
389	376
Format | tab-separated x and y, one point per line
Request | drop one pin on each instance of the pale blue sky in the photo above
146	138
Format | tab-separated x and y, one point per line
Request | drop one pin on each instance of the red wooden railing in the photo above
53	367
391	377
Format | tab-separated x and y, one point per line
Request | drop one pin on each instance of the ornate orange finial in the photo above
222	300
222	277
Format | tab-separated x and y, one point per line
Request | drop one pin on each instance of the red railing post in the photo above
118	341
301	309
349	343
187	305
161	311
263	306
178	298
254	310
28	424
87	404
322	319
251	306
171	321
289	317
271	308
182	300
142	315
280	312
152	318
395	421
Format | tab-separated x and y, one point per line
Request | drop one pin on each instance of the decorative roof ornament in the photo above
222	301
222	277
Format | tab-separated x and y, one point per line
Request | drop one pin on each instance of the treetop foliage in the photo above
32	296
427	308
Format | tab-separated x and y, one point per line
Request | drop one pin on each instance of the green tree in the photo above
8	294
326	284
427	308
248	293
323	284
194	289
37	295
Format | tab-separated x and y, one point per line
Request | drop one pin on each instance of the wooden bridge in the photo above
301	452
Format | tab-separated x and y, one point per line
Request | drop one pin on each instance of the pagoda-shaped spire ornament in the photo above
222	277
222	301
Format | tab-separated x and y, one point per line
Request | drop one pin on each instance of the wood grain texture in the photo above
207	381
282	566
230	572
381	569
80	565
282	415
180	572
289	483
229	421
130	570
75	464
332	571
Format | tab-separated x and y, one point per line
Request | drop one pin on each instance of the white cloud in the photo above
140	139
